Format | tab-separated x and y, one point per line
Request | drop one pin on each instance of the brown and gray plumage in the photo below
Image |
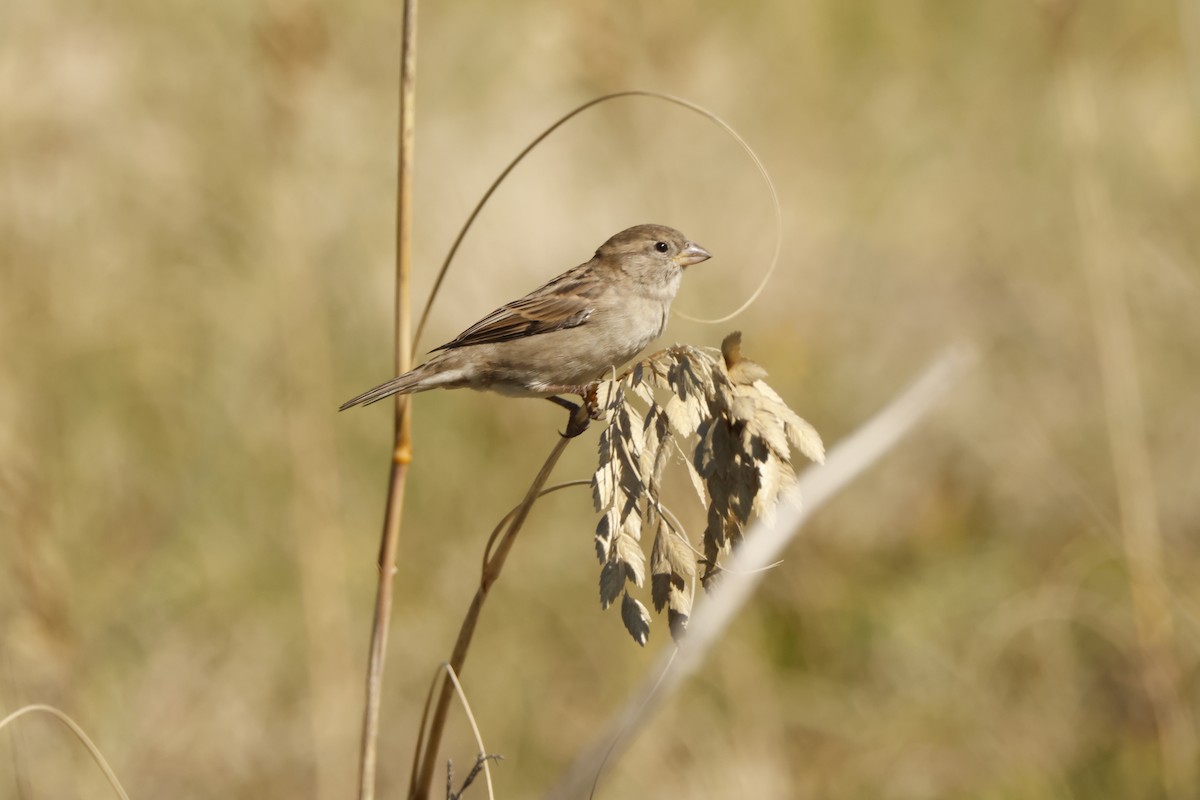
563	336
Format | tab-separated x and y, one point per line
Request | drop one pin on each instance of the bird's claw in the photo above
581	417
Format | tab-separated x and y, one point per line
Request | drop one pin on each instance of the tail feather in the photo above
407	383
430	375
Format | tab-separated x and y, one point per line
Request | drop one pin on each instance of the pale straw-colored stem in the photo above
93	751
428	746
402	451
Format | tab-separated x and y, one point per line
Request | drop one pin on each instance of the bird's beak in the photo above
692	254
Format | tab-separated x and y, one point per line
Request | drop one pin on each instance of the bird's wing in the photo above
565	302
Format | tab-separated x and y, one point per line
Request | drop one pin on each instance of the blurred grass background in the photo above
196	206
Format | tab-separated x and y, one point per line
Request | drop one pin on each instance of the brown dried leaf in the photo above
629	490
604	533
681	558
723	398
770	481
679	609
632	527
604	480
741	498
674	382
683	415
660	562
695	372
602	487
636	619
741	370
659	375
771	429
652	439
698	408
697	483
714	532
629	425
704	458
742	408
803	436
723	447
612	582
680	601
630	555
640	383
660	569
763	419
660	463
609	395
731	349
638	374
770	395
660	590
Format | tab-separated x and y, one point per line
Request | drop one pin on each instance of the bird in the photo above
565	335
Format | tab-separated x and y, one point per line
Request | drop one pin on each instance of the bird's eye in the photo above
661	247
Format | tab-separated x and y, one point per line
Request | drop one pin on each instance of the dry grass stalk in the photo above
426	754
450	678
82	736
402	451
741	435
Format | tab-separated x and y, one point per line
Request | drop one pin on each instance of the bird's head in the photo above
652	250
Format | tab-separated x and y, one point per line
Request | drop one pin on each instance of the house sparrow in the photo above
564	336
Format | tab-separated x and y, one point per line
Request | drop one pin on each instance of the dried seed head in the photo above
735	435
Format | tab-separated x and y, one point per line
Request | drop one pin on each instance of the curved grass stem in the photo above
428	746
541	137
73	726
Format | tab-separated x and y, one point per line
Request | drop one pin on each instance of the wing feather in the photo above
565	302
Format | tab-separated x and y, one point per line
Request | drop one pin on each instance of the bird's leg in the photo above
567	404
586	392
580	416
589	409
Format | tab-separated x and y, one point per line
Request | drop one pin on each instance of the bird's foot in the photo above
591	401
583	413
580	417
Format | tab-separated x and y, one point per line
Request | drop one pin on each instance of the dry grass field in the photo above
196	239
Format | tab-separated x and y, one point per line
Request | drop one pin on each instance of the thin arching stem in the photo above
529	148
422	780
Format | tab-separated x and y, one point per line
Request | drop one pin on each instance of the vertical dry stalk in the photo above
1141	536
427	755
402	451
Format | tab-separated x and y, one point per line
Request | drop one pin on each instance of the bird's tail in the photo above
408	383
